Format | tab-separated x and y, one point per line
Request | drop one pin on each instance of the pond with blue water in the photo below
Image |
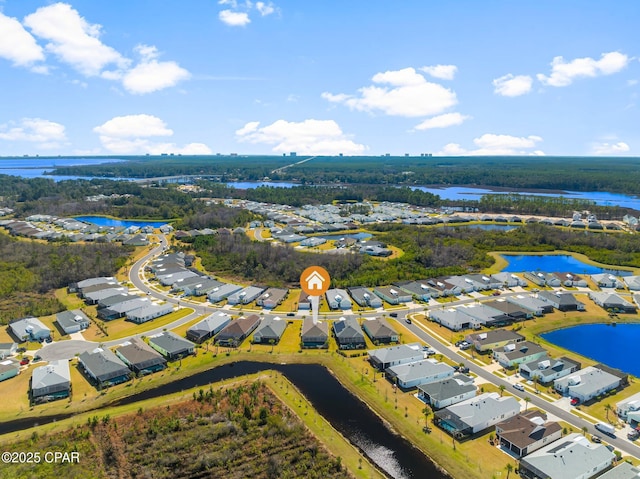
550	263
612	345
116	223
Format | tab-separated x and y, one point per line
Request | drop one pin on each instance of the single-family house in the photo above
29	329
98	287
632	282
364	297
561	301
120	310
629	409
411	375
269	331
52	381
527	432
546	369
221	293
72	321
348	333
303	301
537	277
8	349
314	335
624	470
612	302
200	287
510	312
513	354
140	357
85	283
171	346
572	457
509	280
419	290
485	315
571	280
444	288
392	295
445	392
379	331
245	295
454	318
237	330
384	358
476	414
115	299
484	282
587	383
171	278
9	368
208	327
530	303
103	367
96	297
149	312
272	297
338	299
607	280
494	339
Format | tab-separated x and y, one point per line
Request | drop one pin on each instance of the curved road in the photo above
67	349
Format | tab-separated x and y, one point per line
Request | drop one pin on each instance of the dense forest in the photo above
428	252
620	175
232	433
29	270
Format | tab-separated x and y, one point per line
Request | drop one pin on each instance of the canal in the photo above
346	413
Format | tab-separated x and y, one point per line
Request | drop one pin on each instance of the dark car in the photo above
291	314
393	315
408	320
21	350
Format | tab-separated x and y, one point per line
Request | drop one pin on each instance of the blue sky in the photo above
326	77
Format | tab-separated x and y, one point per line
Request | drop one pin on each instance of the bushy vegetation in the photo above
244	432
29	269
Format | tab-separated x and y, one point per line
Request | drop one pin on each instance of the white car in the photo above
519	387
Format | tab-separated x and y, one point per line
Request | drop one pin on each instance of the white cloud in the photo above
563	73
234	19
133	126
510	85
151	75
496	145
132	134
443	121
408	94
443	72
16	44
308	137
610	148
72	39
47	134
265	8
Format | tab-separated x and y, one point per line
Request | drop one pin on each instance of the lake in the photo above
549	263
614	346
115	223
39	167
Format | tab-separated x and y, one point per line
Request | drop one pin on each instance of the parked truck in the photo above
606	428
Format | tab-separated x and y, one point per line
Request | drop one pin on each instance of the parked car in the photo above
519	387
595	438
291	314
464	345
633	434
575	401
24	361
496	293
393	315
21	350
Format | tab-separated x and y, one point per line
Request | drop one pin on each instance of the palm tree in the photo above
607	408
509	468
526	402
502	388
427	412
585	430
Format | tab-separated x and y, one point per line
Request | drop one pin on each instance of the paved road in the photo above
620	443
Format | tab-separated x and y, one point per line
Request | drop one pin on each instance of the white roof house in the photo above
629	408
572	457
587	383
410	375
